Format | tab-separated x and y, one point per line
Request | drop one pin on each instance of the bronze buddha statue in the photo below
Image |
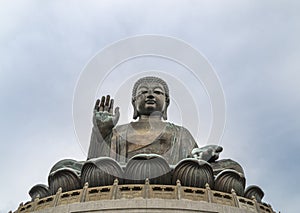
147	148
149	134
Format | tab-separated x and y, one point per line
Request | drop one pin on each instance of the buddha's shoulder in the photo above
122	127
175	127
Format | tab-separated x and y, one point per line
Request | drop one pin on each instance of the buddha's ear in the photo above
164	113
135	112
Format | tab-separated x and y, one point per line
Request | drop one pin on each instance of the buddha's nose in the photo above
150	95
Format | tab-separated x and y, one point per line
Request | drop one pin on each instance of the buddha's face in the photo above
150	98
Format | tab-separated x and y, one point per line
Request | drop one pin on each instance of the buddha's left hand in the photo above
209	153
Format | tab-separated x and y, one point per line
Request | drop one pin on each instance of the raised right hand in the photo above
103	118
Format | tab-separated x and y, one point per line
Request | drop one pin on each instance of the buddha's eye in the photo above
157	92
143	92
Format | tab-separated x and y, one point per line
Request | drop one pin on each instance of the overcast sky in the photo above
253	46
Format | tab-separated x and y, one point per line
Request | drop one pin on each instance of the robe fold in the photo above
174	143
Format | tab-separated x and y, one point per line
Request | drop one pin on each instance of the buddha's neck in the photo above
150	119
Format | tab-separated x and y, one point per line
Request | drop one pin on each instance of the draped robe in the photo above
174	143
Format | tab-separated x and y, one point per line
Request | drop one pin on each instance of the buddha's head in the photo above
150	96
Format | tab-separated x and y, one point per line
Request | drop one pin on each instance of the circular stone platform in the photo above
144	198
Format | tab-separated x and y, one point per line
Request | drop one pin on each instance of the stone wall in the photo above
144	198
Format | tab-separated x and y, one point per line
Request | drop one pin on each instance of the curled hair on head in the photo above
150	79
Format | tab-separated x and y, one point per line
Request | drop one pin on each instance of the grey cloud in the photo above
253	45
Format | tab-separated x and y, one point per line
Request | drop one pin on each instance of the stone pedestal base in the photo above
144	198
144	205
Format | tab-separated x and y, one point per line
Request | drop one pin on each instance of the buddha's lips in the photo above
150	101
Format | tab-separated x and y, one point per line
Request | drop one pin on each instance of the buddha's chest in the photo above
154	141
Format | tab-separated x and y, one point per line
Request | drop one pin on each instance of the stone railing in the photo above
146	191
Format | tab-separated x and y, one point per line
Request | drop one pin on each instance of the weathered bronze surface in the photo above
147	166
149	134
193	172
65	178
254	191
148	148
101	172
39	191
230	179
166	151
